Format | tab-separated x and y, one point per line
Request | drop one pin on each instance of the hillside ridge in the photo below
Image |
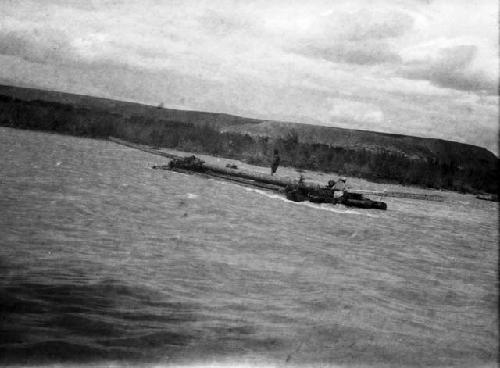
307	133
377	156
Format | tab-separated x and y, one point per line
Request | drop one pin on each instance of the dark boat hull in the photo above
326	196
365	203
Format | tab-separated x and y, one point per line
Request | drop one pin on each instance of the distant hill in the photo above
413	147
126	109
373	155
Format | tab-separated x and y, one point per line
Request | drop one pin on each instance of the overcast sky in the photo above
419	67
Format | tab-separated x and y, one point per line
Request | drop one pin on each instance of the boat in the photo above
325	195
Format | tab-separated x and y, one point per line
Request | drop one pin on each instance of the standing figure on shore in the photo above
276	162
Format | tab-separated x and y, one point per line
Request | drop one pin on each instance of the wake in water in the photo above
324	207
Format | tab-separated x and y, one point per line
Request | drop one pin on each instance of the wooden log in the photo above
247	182
396	194
259	177
144	148
211	174
422	196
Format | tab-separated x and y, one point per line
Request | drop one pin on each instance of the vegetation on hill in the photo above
432	164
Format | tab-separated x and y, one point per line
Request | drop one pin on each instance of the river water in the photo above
105	261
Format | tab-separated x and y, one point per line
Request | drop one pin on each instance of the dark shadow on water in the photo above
78	322
105	321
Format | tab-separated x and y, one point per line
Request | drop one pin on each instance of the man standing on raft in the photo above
276	162
339	190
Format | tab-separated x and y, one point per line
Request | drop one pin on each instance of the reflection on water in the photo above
104	259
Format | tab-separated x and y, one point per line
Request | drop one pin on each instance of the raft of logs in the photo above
291	188
296	191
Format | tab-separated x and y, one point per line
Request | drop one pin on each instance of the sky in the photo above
427	68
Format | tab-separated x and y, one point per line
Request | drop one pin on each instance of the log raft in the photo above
258	180
233	178
295	191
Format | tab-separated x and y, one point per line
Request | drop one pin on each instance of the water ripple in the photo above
106	260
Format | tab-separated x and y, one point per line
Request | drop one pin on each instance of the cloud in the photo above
44	45
368	24
380	66
77	4
362	37
345	109
225	24
361	53
452	67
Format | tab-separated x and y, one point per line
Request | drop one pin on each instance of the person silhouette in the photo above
276	162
